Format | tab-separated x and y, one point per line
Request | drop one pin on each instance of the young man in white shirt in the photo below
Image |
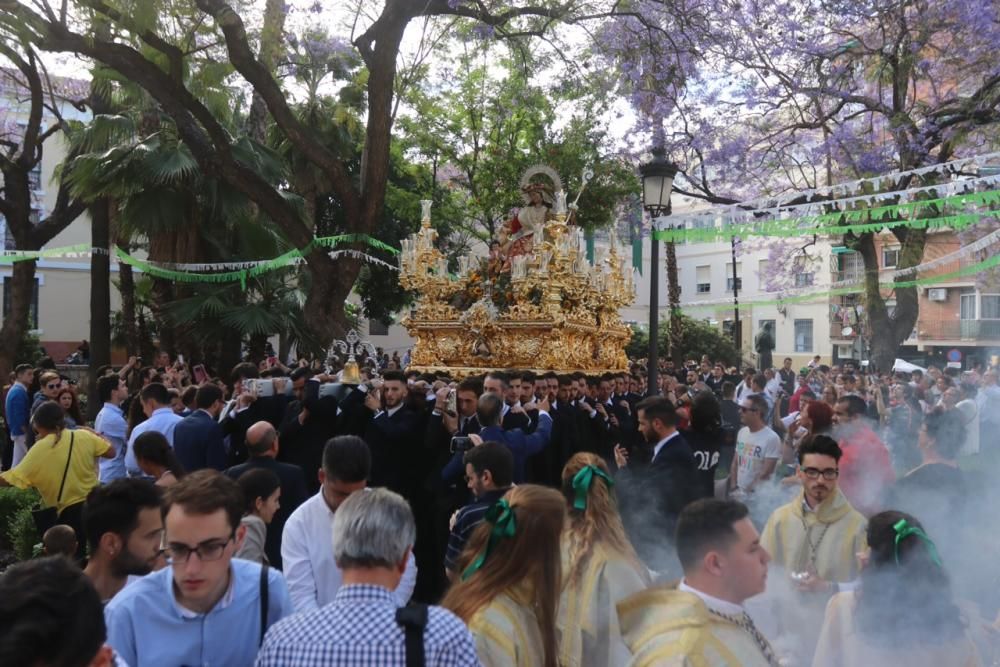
307	542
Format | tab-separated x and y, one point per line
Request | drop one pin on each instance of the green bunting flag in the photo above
241	275
856	221
26	255
985	265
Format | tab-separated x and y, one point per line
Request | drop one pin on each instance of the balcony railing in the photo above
978	330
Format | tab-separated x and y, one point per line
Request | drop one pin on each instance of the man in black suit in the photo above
262	444
199	441
390	429
653	495
306	426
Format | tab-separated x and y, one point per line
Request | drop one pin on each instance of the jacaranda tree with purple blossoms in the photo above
765	98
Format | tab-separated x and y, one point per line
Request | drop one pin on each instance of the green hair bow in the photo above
582	481
504	526
904	529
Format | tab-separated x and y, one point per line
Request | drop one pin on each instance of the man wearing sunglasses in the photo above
815	539
205	607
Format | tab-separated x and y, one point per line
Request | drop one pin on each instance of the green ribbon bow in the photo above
582	481
904	529
504	526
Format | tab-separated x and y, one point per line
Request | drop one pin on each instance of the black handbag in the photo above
46	517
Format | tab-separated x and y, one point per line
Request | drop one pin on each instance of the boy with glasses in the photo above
815	538
205	608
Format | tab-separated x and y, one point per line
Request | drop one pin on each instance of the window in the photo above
729	276
32	309
727	328
804	279
35	178
803	335
890	258
989	307
703	279
378	328
968	304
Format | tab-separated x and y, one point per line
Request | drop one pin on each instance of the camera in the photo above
452	406
461	443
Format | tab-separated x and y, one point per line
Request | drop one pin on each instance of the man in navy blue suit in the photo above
652	495
521	445
199	441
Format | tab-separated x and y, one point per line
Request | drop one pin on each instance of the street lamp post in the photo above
657	183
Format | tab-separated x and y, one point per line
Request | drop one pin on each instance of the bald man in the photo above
262	445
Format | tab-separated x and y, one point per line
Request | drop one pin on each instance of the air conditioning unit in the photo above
937	294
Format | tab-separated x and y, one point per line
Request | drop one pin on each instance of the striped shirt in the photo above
359	628
466	521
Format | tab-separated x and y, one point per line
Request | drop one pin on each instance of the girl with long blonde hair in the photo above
600	567
510	578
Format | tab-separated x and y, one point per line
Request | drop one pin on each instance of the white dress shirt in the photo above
713	603
163	420
312	575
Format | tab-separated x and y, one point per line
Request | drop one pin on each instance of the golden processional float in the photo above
533	303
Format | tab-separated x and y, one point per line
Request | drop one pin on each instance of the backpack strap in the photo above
413	618
263	602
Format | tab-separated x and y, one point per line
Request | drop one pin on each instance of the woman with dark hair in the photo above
71	407
261	492
706	438
511	577
156	458
903	612
600	567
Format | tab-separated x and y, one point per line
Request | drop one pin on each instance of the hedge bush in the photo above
23	535
12	502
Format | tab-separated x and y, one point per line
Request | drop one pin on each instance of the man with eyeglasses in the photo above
815	539
206	607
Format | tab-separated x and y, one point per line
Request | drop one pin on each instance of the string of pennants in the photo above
217	272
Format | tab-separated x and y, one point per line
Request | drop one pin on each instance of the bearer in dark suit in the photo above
652	495
199	441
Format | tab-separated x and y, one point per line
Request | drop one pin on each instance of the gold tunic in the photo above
507	633
664	627
588	621
826	541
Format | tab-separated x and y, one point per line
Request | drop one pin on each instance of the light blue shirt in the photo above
147	626
111	424
163	420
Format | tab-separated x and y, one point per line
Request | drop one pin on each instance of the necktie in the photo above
745	622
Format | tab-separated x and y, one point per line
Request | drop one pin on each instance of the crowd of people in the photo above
283	515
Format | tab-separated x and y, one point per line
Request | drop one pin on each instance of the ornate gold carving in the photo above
557	313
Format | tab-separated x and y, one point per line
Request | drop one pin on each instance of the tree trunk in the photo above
100	300
270	46
15	324
674	298
126	285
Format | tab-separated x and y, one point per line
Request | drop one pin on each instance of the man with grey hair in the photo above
373	535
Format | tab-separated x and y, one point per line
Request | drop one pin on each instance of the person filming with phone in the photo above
521	444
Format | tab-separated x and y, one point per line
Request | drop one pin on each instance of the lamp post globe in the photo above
657	183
